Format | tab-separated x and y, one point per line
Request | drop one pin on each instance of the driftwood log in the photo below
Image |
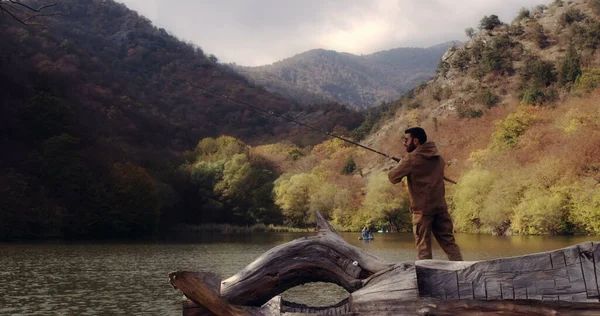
560	282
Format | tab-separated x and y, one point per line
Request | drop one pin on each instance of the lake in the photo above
60	278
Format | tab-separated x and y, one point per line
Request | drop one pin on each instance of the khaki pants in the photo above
440	225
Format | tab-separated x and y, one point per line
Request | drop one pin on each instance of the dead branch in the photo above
23	13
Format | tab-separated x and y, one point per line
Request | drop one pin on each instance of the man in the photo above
424	169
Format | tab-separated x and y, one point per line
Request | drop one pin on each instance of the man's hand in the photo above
391	165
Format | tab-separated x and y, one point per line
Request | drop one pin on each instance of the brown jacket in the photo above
424	169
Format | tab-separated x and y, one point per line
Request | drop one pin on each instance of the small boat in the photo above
560	282
368	238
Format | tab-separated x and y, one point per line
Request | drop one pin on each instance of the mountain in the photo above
516	113
99	111
359	82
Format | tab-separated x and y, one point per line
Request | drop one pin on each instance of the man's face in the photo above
410	143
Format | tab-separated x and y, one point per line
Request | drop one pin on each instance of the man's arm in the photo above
449	180
402	170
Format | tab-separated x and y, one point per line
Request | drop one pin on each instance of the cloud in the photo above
264	31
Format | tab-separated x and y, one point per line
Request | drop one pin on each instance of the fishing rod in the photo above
262	111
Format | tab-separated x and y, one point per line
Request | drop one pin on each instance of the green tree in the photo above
470	32
489	22
349	166
570	67
136	207
47	116
365	127
495	56
246	190
207	207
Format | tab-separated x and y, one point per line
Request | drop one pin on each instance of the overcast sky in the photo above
258	32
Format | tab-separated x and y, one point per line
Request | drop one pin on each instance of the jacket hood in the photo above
427	151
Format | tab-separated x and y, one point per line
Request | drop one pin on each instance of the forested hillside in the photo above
357	81
100	109
94	148
516	111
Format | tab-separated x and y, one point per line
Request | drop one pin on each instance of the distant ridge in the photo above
358	82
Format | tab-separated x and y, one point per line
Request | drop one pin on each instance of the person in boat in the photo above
424	170
365	233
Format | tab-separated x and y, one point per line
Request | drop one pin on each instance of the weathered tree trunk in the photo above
564	281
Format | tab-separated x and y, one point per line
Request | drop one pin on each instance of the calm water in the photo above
131	278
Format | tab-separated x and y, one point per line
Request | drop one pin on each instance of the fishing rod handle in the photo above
395	159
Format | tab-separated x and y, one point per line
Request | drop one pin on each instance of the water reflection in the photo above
131	278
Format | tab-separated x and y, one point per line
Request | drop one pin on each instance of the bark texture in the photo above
560	282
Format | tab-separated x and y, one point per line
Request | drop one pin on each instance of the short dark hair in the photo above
418	133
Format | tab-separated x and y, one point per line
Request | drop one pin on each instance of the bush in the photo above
386	204
586	34
365	127
414	118
469	199
571	16
539	9
523	14
489	22
477	49
508	130
488	98
585	204
443	68
537	35
516	30
542	212
465	111
440	93
498	207
595	4
537	72
461	60
587	81
495	57
349	166
414	105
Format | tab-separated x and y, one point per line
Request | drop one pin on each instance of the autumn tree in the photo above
386	204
